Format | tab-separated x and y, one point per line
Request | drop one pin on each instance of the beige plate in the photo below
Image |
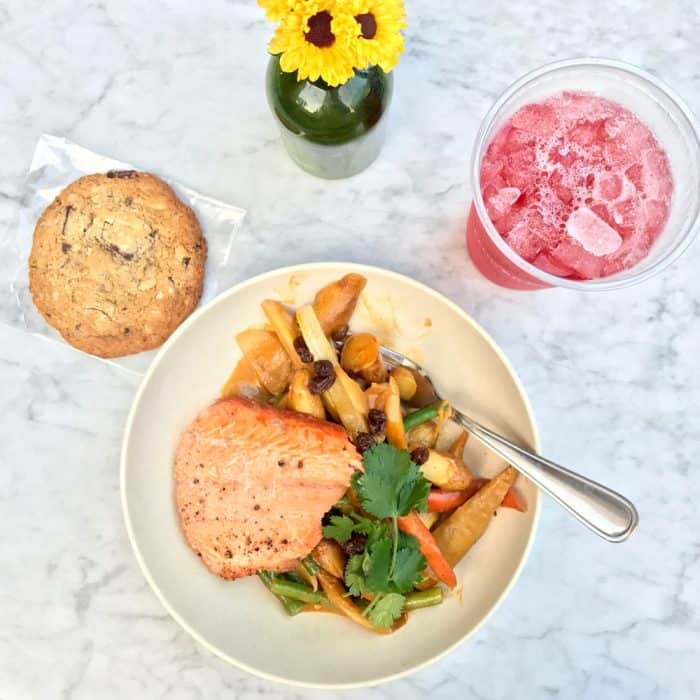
240	621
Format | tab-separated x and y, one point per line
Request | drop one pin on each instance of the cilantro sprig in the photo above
391	563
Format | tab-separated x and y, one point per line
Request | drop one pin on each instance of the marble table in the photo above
178	87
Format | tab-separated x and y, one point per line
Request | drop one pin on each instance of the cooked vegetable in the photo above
513	500
423	599
425	392
269	359
301	399
457	447
336	302
430	517
460	531
302	573
421	415
406	381
295	591
395	432
423	435
360	355
337	595
446	472
376	395
244	381
310	565
440	501
441	567
285	326
293	607
344	399
330	557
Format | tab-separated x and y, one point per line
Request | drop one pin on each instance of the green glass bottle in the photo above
331	132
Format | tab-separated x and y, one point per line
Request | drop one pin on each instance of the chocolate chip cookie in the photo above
117	263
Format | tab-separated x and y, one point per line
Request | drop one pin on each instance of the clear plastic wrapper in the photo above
56	163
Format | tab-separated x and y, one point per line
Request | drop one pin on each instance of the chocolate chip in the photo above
186	261
65	247
127	331
69	209
376	419
420	455
303	350
280	462
323	377
122	174
364	442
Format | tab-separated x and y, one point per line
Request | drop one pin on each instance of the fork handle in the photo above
604	511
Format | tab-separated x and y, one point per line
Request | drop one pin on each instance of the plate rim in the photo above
128	427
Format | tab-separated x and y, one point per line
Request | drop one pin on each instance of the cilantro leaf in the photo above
387	610
378	565
354	575
408	570
391	485
340	529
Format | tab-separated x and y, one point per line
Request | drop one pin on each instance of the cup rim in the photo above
598	284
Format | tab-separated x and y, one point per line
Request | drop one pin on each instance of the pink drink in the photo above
576	185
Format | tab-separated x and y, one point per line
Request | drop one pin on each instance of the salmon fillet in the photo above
252	483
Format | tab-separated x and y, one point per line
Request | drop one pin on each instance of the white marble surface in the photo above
178	87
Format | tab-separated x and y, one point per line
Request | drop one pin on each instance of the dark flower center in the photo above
368	25
320	33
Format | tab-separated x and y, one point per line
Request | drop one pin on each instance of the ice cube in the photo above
500	203
546	263
608	186
656	212
537	119
656	175
524	241
592	232
571	255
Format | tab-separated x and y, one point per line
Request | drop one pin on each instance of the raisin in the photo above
420	455
364	442
339	335
186	261
303	350
323	377
355	545
376	420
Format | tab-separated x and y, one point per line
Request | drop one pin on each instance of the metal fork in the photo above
602	510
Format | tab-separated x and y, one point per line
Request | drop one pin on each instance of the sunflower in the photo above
378	40
314	41
276	10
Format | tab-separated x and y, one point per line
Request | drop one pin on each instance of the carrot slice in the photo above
413	525
440	501
512	499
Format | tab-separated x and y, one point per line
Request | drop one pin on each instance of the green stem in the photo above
372	603
395	523
296	591
312	568
293	607
421	415
423	599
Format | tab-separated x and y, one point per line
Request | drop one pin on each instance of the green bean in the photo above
293	607
421	415
296	591
312	568
276	399
423	599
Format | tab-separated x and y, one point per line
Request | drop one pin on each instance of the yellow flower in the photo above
276	10
314	40
379	40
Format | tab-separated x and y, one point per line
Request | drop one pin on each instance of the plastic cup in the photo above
674	126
